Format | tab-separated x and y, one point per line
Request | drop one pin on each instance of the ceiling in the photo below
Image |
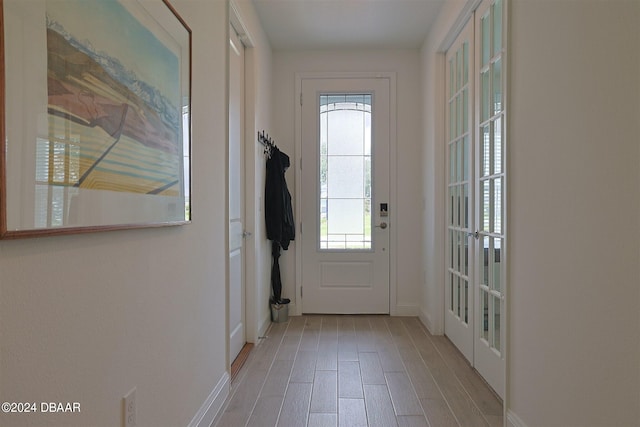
347	24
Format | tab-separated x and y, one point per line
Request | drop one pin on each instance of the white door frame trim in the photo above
296	306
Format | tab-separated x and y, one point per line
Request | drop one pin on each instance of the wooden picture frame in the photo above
95	123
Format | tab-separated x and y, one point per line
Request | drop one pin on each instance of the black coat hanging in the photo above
278	215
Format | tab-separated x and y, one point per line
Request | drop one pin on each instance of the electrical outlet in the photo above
129	409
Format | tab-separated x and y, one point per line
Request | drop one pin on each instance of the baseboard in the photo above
406	310
210	408
513	420
264	325
400	311
293	309
426	320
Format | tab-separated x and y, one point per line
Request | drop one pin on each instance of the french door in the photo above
476	181
490	185
459	313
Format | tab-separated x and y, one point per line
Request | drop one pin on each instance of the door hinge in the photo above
300	227
300	291
300	163
301	99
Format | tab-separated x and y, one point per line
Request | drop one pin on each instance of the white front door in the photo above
236	196
345	211
459	308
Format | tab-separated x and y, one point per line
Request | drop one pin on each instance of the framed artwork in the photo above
95	123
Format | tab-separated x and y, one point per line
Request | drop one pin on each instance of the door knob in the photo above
382	225
246	234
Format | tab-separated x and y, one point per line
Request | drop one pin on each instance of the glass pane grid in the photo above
495	335
459	184
484	310
458	286
491	175
496	10
345	172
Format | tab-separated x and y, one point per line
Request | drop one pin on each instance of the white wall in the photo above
573	209
407	66
86	318
574	213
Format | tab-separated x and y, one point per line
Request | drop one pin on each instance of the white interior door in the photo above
490	185
346	216
459	307
236	314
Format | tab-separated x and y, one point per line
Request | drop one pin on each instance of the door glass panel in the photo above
452	118
345	132
347	177
484	262
456	252
497	26
485	49
452	162
485	100
451	246
466	301
485	196
459	116
458	296
463	252
346	216
458	145
460	206
367	133
451	291
484	309
368	179
497	146
497	205
466	206
497	86
465	65
452	88
465	158
465	256
496	323
451	203
345	172
465	110
485	151
454	218
497	247
323	134
458	70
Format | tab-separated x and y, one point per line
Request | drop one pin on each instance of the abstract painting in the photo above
117	81
127	116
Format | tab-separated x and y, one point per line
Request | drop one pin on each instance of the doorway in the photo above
347	217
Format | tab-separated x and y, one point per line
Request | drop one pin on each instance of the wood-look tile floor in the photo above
325	370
